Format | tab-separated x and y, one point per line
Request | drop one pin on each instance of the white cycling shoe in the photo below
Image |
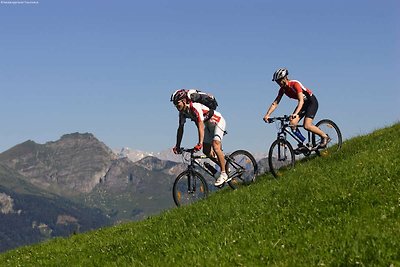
223	177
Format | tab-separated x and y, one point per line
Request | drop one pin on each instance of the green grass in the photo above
339	210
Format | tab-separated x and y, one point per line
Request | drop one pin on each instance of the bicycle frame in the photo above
284	131
282	149
195	163
238	170
191	184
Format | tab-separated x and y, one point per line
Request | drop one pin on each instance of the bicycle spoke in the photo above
280	155
331	129
189	188
241	167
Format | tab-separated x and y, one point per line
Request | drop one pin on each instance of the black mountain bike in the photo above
190	185
281	153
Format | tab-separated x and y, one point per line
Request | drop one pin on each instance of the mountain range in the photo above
136	155
77	183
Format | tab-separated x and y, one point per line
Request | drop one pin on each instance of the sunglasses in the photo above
177	102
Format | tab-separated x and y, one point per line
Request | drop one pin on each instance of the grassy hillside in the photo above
341	209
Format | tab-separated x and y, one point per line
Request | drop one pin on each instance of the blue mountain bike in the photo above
281	153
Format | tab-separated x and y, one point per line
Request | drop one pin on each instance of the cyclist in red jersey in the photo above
307	105
211	129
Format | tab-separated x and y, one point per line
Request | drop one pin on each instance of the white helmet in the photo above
279	74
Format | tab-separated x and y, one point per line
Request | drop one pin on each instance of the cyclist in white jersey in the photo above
211	129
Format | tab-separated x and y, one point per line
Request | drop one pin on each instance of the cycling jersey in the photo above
198	112
293	88
213	121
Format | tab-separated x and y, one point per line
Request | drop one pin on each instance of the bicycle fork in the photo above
282	148
191	183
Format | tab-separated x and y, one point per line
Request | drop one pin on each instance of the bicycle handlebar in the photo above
189	150
282	119
192	152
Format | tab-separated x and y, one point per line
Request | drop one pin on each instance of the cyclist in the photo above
307	105
211	129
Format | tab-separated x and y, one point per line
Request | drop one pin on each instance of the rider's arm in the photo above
179	135
200	128
300	98
274	105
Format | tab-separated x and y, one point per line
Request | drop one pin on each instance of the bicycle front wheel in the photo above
280	155
189	187
331	129
242	167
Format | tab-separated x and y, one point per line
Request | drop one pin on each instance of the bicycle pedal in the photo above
301	150
297	152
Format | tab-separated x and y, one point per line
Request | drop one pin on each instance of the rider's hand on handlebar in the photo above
197	147
177	150
293	116
267	119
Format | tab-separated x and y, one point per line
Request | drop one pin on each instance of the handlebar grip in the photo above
190	150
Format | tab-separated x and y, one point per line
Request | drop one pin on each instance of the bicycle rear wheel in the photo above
331	129
189	187
280	155
242	167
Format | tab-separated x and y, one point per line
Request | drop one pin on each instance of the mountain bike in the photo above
281	153
191	186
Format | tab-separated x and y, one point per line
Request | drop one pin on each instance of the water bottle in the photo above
298	134
210	168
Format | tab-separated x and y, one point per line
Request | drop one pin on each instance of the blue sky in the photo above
109	67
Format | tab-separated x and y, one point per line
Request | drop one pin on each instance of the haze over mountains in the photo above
136	155
77	183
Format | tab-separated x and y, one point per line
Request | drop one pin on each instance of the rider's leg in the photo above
223	177
220	160
213	150
309	126
218	132
209	151
294	122
207	145
310	110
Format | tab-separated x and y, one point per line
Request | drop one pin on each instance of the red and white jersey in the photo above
198	112
293	88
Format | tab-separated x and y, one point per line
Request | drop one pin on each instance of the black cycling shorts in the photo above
310	107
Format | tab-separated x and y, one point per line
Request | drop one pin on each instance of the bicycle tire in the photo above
242	166
330	128
280	155
189	187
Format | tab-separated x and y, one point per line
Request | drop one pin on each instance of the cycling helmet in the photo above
178	95
279	74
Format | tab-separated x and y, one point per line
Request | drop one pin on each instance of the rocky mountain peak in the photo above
72	164
154	164
77	135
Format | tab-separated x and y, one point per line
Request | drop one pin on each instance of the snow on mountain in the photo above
136	155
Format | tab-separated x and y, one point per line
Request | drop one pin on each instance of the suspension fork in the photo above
191	179
282	137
